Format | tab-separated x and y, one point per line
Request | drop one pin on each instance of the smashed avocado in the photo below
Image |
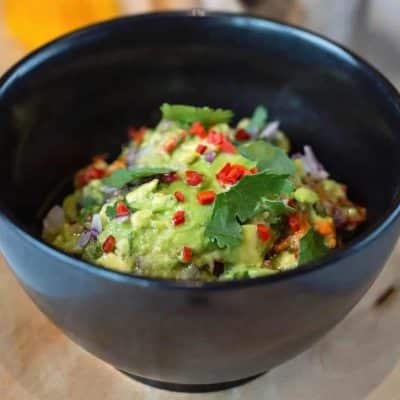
197	198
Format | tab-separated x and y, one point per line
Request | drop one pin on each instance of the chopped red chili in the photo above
170	177
206	197
220	140
170	145
121	209
109	244
263	232
231	173
83	177
193	178
187	254
198	129
215	137
179	196
201	148
179	217
294	222
242	135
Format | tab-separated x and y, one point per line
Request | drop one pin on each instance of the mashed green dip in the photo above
197	198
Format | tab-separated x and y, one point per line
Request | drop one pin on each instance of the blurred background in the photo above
370	27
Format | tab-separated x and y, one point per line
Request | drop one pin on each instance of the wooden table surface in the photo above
358	360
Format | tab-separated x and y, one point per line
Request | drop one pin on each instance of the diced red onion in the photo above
270	131
54	220
84	239
210	156
316	169
311	164
92	233
96	223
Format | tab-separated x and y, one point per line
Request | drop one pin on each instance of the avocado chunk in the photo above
306	195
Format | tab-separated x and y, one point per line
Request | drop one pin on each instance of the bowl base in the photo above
188	388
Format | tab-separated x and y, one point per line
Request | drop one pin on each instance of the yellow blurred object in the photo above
35	22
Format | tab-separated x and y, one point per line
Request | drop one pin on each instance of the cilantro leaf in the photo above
258	120
276	208
223	227
189	114
312	247
268	157
111	212
118	178
89	205
88	202
122	177
240	203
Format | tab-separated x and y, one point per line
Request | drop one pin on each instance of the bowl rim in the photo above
58	45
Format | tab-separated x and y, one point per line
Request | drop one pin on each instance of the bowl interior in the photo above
77	97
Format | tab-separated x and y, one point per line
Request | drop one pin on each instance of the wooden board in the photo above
358	360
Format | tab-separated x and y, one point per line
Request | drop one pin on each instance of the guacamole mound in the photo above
196	198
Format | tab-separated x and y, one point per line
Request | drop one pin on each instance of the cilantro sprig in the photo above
276	209
121	177
312	247
111	212
268	157
240	203
188	114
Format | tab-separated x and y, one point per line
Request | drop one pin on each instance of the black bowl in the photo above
76	96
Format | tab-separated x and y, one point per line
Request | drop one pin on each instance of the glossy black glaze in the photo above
75	98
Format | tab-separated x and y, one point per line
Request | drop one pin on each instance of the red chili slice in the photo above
170	145
88	174
220	140
187	254
198	129
179	196
193	178
215	137
263	232
242	135
121	209
227	147
201	148
294	222
206	197
109	244
231	173
179	217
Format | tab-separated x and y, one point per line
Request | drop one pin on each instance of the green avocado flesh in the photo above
197	199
